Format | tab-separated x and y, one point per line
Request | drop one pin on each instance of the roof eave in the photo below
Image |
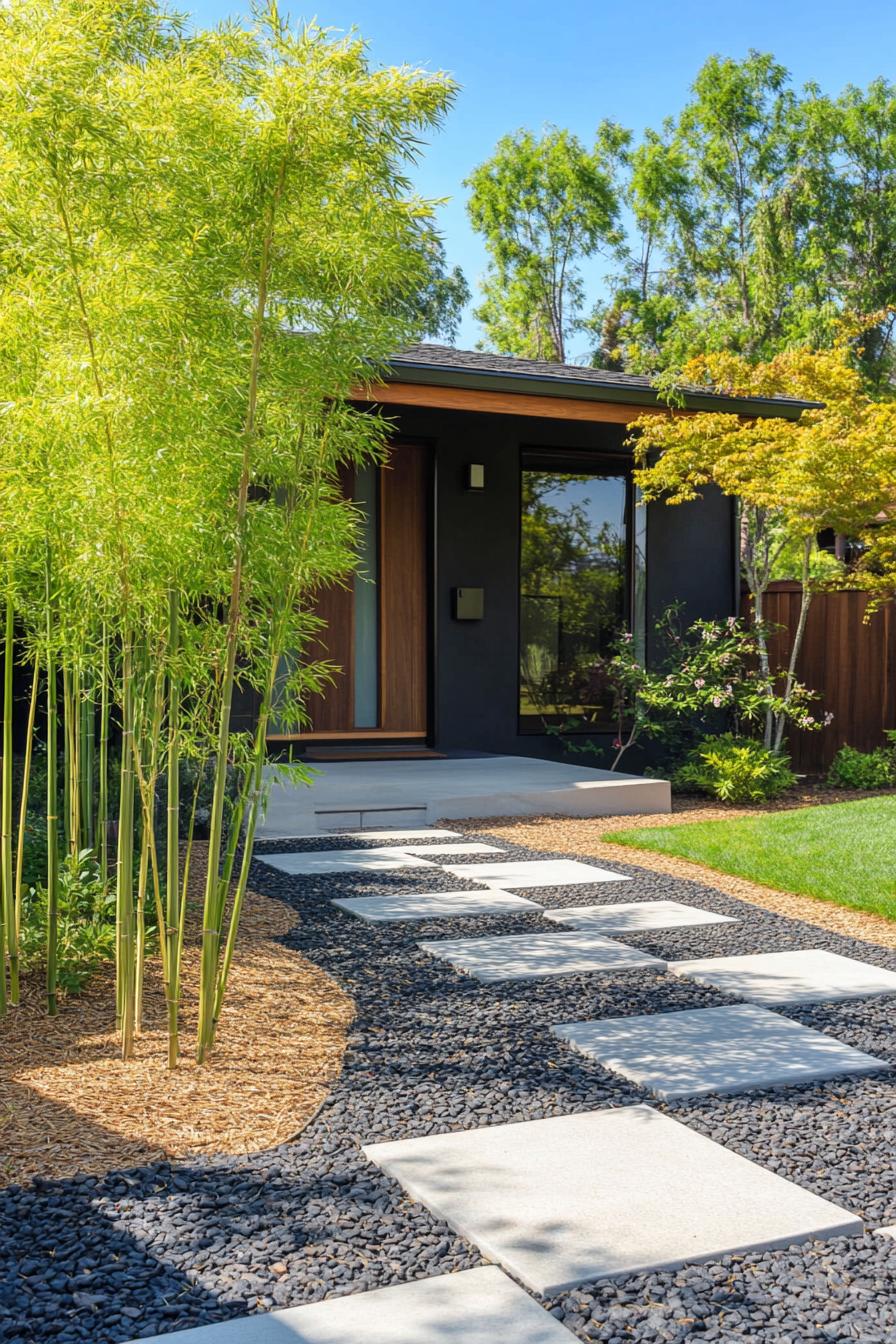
565	388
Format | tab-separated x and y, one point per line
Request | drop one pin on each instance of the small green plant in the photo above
734	769
86	922
852	769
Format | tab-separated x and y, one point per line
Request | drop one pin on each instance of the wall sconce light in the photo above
475	474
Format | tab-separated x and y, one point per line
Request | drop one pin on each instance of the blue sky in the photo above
571	62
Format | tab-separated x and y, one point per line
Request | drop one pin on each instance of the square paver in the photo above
634	916
704	1050
789	977
476	1306
309	863
527	956
578	1197
535	873
464	847
436	905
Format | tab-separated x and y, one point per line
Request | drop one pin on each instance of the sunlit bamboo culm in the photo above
207	243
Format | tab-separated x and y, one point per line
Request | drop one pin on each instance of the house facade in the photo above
503	549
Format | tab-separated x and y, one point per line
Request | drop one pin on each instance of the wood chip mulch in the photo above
584	836
68	1104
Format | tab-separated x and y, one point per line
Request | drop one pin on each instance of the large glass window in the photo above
574	586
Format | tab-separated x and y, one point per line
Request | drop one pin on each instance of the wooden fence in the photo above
851	662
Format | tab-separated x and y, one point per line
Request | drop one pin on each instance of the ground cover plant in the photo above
208	242
839	852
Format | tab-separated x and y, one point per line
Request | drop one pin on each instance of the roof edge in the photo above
410	371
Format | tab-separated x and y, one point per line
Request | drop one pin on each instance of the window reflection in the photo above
573	591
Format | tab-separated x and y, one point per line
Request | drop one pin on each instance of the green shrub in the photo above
86	922
852	769
734	769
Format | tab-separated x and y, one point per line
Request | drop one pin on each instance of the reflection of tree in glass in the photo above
572	587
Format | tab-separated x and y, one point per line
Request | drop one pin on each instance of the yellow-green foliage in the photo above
207	242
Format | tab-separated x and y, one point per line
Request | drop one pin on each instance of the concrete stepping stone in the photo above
535	873
414	833
889	1231
631	917
476	1306
437	905
687	1054
310	863
811	976
563	1201
528	956
466	847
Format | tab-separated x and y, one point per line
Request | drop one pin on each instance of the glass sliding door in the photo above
575	585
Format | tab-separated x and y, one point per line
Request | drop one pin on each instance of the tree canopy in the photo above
756	219
543	204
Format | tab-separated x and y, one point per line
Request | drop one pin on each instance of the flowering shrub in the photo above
704	678
735	770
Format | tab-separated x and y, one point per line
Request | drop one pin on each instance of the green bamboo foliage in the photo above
182	209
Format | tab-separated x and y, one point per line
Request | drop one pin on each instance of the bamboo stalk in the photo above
102	811
86	719
213	912
52	800
125	864
6	839
172	832
140	916
23	803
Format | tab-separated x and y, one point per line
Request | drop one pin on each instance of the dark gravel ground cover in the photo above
166	1247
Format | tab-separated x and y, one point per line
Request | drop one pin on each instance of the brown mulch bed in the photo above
68	1104
584	836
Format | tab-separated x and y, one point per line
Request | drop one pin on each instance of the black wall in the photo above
690	558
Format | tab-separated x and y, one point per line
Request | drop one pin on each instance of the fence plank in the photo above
850	661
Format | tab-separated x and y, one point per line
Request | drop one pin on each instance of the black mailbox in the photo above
468	604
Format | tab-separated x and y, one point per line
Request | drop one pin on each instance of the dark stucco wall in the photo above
476	535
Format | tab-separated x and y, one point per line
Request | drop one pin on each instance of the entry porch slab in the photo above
701	1050
358	795
631	917
575	1198
476	1306
535	873
528	956
436	905
811	976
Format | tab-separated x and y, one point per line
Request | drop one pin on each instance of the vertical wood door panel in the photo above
334	710
404	613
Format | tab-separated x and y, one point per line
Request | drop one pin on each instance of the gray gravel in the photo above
165	1247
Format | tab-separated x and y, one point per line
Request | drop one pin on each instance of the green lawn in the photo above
841	852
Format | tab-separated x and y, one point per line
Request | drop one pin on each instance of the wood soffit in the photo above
550	407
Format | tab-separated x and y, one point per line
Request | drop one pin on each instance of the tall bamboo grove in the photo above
207	241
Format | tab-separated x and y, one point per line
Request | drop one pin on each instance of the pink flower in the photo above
617	744
828	719
717	701
700	683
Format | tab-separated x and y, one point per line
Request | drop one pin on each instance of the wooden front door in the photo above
377	627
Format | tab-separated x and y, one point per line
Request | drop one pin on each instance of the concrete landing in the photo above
362	795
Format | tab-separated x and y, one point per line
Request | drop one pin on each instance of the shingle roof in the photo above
443	364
